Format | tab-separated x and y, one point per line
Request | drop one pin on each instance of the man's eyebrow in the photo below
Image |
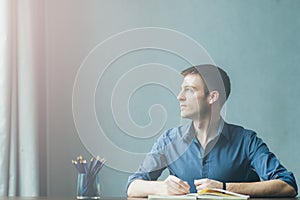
189	86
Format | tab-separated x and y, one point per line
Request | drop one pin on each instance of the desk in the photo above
114	198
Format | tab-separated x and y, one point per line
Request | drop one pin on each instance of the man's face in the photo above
193	98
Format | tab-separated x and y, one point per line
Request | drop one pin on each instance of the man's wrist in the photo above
224	185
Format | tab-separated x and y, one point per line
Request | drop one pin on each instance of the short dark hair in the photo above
212	76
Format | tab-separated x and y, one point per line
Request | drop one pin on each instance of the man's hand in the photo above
207	183
173	185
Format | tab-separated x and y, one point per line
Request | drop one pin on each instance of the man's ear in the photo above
213	97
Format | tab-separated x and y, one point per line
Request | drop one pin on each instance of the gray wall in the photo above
256	42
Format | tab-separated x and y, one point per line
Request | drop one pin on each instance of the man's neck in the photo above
206	129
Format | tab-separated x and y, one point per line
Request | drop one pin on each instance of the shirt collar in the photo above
221	126
225	131
189	131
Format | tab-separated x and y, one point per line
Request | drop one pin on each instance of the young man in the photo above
210	153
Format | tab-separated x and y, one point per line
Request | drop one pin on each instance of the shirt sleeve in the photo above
265	163
153	164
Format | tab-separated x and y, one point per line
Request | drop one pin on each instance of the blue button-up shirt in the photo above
235	155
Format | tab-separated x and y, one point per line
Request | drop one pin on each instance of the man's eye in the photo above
188	90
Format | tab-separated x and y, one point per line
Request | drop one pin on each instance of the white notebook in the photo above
209	193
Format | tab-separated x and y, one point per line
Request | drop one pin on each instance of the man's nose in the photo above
180	96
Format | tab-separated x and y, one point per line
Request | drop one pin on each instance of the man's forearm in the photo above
141	188
271	188
172	185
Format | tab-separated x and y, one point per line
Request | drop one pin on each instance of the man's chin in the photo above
184	116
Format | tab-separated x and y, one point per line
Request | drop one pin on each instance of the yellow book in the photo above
214	193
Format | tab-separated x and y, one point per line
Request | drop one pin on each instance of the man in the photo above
210	153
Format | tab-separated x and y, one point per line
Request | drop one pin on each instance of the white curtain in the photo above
22	95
